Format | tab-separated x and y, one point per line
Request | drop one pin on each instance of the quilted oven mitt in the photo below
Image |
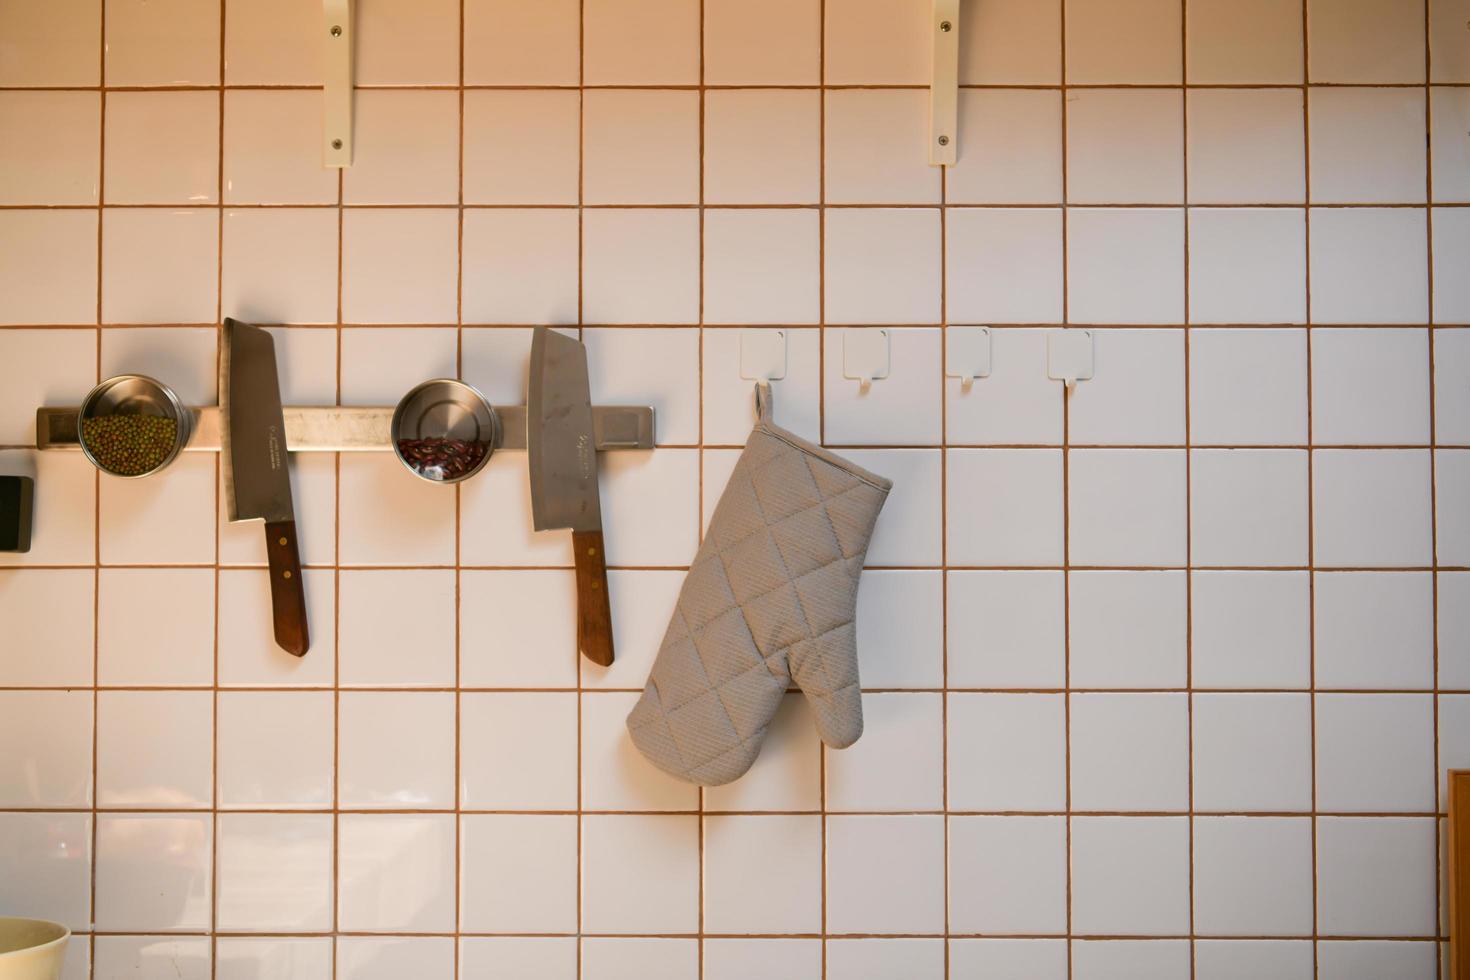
770	600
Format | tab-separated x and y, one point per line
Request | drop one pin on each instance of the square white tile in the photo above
54	154
63	532
862	959
1129	751
1454	641
1375	752
521	147
1247	265
275	749
1359	960
1136	42
1125	146
1374	630
614	774
156	626
1127	506
47	860
1008	875
170	43
640	266
518	873
1014	959
900	627
1452	529
517	628
1005	507
398	265
408	42
640	146
159	265
728	403
1364	41
510	43
405	148
247	957
388	516
397	628
1252	752
1248	387
162	147
762	146
765	42
254	851
1448	59
733	959
1004	629
650	506
1012	137
1370	386
1253	876
519	266
1125	265
902	409
518	750
495	519
54	44
882	265
876	42
279	265
1007	752
1130	875
1014	43
1371	507
1232	42
271	43
1397	855
42	368
248	655
49	757
1250	629
1128	629
1223	958
1449	142
640	874
552	958
1261	128
272	148
866	133
1367	145
45	650
154	872
49	268
885	874
1136	394
630	42
639	958
142	760
1368	265
395	872
153	957
1003	266
1015	404
657	367
396	750
762	874
1451	246
898	764
761	266
368	958
1248	507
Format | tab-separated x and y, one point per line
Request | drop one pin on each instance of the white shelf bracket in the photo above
337	83
944	83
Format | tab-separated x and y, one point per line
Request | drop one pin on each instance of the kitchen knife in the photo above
257	484
563	457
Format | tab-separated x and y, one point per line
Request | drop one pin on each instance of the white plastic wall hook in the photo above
1069	356
865	355
762	354
337	83
944	83
967	353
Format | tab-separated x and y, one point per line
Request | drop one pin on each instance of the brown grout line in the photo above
954	689
880	87
1065	396
822	398
1089	937
97	511
931	205
447	811
999	325
1188	494
1439	853
1319	570
459	842
1311	492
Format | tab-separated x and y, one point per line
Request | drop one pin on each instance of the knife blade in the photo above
562	451
257	483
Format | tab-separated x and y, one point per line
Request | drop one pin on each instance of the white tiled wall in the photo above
1162	670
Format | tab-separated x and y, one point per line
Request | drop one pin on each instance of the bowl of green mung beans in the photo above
132	426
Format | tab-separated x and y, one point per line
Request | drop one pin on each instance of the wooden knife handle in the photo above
594	614
288	598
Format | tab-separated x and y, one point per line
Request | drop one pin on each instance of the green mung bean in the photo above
129	445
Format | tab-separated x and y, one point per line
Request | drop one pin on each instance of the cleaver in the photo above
562	452
257	484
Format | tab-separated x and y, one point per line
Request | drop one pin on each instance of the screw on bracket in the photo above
336	30
336	144
944	141
945	26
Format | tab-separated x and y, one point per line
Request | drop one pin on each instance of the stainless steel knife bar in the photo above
334	429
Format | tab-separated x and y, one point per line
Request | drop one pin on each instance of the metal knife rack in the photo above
334	429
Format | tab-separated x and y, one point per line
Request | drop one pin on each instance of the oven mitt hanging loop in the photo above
770	601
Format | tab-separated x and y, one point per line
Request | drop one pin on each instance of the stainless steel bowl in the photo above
135	394
444	431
